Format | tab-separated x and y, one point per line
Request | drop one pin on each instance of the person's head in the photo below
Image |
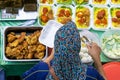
67	44
67	40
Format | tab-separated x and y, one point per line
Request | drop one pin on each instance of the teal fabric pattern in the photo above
67	63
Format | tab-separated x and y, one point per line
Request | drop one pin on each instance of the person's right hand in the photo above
94	50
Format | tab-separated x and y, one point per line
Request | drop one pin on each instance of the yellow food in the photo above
115	19
45	14
102	22
46	1
64	15
99	1
115	1
82	17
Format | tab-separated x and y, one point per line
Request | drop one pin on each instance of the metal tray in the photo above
18	30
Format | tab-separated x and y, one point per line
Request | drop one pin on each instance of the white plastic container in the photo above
76	18
46	3
81	2
66	7
48	33
114	25
101	26
49	7
112	2
102	3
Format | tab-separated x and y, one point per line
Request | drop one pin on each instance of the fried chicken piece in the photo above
34	40
28	39
22	37
8	51
25	44
11	37
37	33
30	56
14	43
40	48
20	47
32	48
15	52
20	56
19	40
12	52
39	55
34	37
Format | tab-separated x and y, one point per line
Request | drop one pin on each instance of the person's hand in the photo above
94	50
49	58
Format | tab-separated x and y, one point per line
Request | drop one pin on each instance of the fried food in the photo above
39	55
23	46
17	41
11	37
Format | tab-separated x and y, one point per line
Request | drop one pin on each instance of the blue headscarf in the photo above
66	63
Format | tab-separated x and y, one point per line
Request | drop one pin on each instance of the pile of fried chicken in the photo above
24	46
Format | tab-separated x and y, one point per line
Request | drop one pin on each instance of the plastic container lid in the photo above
48	33
112	70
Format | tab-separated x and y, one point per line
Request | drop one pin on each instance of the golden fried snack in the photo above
34	40
11	37
37	33
20	56
28	39
32	48
19	40
20	47
34	37
22	37
15	52
24	46
29	56
39	55
8	51
40	48
14	43
12	52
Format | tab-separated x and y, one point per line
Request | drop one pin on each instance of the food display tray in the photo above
18	30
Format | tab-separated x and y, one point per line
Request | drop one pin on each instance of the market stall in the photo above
100	17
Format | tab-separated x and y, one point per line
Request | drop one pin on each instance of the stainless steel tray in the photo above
18	30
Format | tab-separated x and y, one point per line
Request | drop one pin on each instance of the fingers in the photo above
88	46
91	45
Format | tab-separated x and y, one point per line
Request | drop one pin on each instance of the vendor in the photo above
66	62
